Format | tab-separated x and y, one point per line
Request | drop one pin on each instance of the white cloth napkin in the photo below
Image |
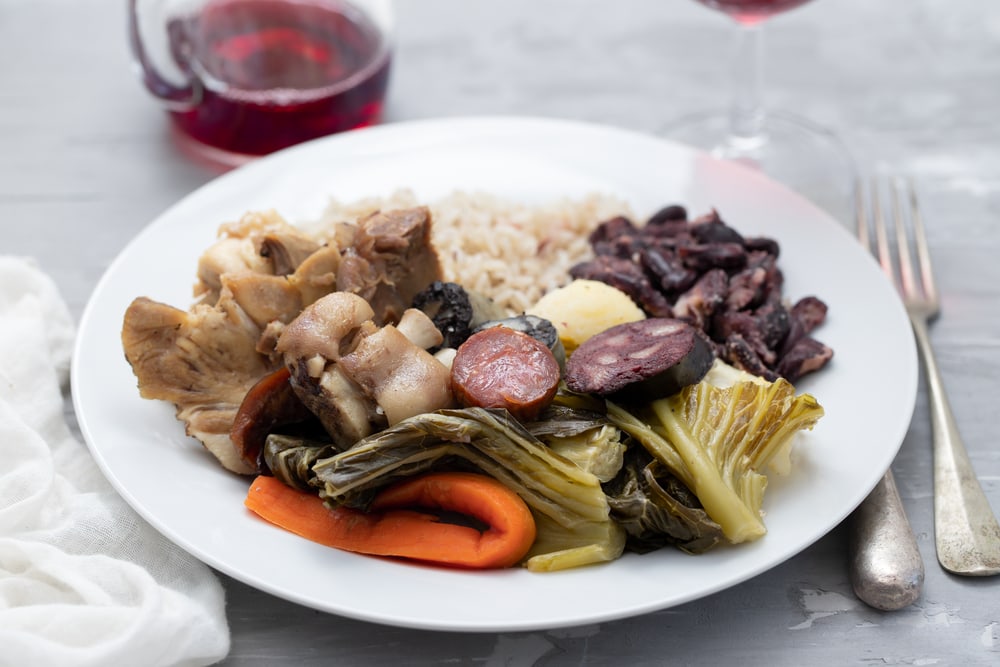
83	579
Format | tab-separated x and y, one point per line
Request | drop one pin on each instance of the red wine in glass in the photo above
752	11
273	73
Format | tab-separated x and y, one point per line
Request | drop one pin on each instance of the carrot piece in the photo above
393	529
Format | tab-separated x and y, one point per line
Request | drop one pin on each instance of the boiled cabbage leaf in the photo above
571	510
717	440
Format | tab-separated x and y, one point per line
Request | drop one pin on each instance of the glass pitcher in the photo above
242	78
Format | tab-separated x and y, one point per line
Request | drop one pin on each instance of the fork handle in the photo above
966	532
886	569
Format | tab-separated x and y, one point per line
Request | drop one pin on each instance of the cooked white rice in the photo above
509	251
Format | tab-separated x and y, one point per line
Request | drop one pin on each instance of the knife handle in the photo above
886	569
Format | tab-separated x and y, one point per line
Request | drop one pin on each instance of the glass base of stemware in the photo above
791	150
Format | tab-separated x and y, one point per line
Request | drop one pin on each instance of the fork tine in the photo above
860	216
881	236
908	284
923	253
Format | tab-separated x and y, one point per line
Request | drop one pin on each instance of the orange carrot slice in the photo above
397	527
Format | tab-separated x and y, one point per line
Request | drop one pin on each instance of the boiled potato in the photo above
584	308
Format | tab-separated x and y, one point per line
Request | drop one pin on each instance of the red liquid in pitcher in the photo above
279	72
749	12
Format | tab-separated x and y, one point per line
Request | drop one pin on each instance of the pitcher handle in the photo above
176	97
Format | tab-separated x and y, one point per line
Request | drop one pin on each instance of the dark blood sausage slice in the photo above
499	367
641	360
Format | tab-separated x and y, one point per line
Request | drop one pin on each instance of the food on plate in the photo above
537	327
456	311
718	440
707	273
356	376
509	251
583	308
568	502
206	359
624	384
403	521
633	361
269	405
500	367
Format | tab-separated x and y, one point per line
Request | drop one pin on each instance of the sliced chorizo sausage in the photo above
499	367
270	403
641	360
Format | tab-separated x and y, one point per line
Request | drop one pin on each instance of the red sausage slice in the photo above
499	367
641	360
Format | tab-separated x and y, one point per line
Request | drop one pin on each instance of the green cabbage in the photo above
717	441
571	510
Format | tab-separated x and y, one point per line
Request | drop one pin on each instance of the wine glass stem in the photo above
746	113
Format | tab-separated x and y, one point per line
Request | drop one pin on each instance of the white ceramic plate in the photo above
868	390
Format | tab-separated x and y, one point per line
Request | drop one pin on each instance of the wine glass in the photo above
793	150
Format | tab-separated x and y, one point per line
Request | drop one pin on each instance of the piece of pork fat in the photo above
203	361
311	345
396	370
260	243
390	261
357	377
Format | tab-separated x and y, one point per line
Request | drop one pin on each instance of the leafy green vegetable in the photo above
571	510
586	438
717	441
290	459
656	509
557	548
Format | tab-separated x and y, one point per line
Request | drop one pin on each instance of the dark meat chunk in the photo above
699	304
774	322
670	273
626	246
707	273
763	244
455	311
669	232
808	313
628	277
740	353
807	355
705	256
756	283
612	229
730	323
392	260
668	222
710	229
617	237
639	361
671	213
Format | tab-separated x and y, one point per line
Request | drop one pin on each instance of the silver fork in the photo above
966	532
886	569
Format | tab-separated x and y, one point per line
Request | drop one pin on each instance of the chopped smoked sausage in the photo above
499	367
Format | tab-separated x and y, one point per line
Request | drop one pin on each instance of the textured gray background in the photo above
910	85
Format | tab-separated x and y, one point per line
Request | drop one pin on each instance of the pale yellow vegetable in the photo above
584	308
